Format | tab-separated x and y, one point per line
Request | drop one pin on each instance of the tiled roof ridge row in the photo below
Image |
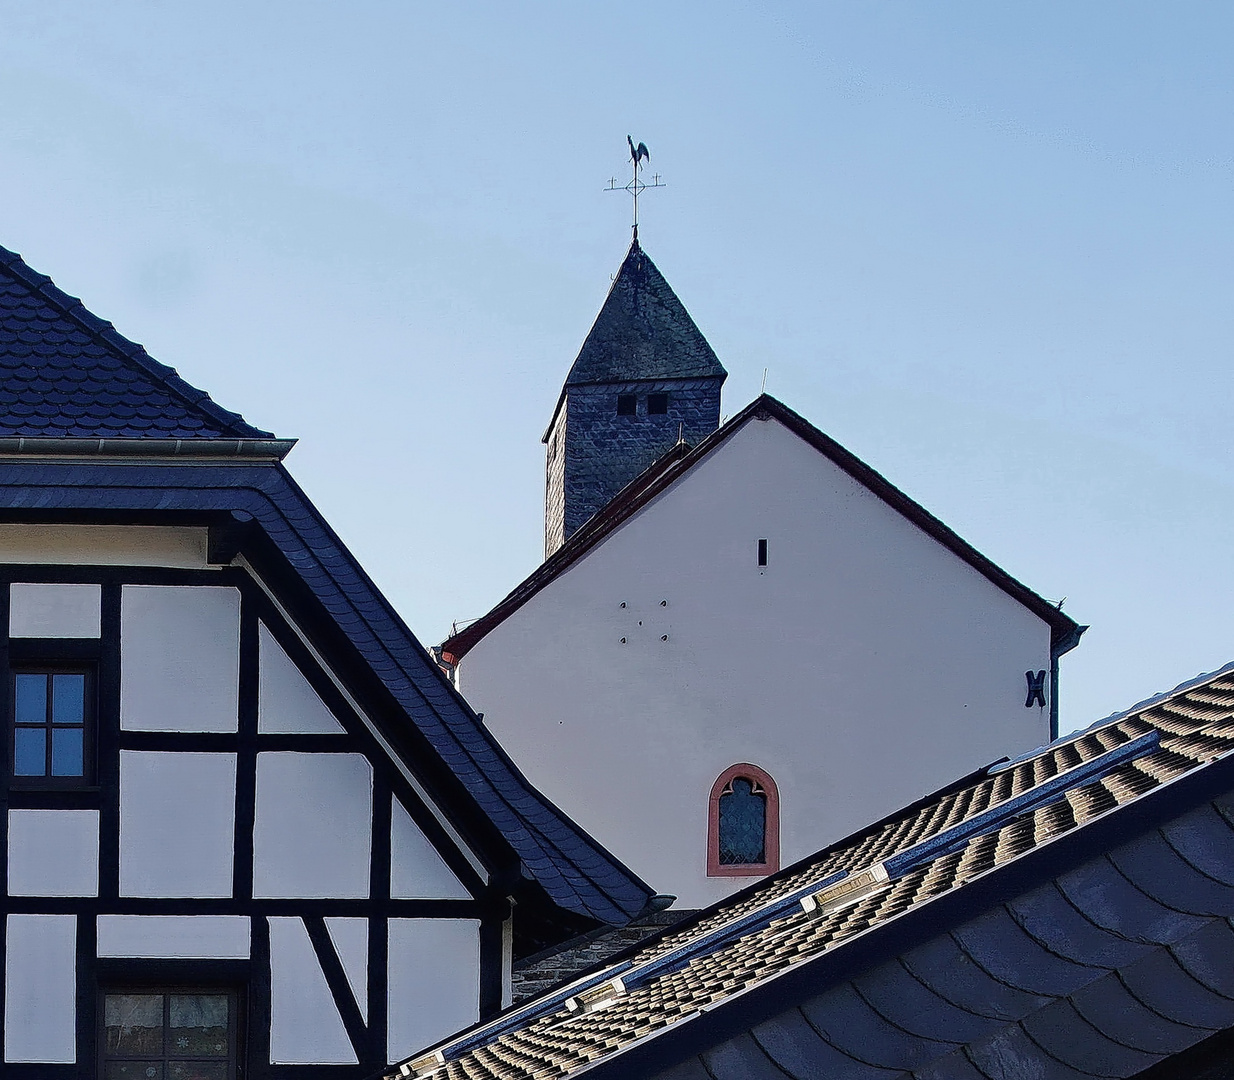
72	308
1181	689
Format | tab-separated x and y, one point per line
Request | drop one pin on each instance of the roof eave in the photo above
26	446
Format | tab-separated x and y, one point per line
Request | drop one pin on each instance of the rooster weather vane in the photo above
636	186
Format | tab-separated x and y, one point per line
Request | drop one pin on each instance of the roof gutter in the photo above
41	446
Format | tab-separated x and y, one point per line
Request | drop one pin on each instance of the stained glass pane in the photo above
134	1024
197	1070
198	1026
68	699
743	825
133	1070
30	751
31	699
67	752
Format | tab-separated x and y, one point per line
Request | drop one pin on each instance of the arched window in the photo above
743	824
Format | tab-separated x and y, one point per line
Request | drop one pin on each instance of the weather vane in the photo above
636	186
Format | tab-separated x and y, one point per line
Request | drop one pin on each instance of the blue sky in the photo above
987	247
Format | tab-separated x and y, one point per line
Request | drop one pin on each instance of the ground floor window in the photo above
169	1033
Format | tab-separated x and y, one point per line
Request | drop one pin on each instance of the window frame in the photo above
771	824
235	1035
48	781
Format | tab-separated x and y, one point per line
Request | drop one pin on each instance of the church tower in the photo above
644	377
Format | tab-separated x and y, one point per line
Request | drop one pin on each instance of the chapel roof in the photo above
1065	633
643	332
65	373
1067	913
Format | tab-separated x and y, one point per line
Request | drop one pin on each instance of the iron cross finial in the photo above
638	154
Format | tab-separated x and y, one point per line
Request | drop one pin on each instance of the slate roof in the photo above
1065	633
71	388
1065	916
643	332
66	373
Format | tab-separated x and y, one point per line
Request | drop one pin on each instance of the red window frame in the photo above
771	840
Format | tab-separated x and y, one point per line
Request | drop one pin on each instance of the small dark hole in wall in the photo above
627	404
762	553
657	404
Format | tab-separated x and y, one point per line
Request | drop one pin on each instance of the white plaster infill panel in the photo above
434	982
105	545
177	823
53	610
40	989
417	871
174	937
53	853
180	658
313	827
305	1026
350	938
286	703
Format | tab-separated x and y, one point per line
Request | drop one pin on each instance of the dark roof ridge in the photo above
1065	632
72	308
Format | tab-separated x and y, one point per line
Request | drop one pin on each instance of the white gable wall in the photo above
863	667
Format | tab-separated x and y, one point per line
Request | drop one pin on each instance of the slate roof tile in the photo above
643	331
66	373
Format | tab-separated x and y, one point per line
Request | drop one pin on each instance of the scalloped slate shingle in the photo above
643	332
65	373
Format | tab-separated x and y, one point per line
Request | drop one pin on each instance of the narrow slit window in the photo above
762	553
657	404
627	404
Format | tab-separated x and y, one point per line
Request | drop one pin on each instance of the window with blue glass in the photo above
52	726
743	823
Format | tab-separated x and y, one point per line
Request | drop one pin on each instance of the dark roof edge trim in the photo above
1064	631
274	449
699	1031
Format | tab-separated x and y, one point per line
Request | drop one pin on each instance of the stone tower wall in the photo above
603	451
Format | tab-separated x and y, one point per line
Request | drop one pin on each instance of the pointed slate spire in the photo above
644	380
67	374
643	332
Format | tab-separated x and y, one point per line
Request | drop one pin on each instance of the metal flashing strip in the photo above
995	817
758	919
849	890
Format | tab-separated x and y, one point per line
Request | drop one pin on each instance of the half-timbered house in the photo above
248	827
